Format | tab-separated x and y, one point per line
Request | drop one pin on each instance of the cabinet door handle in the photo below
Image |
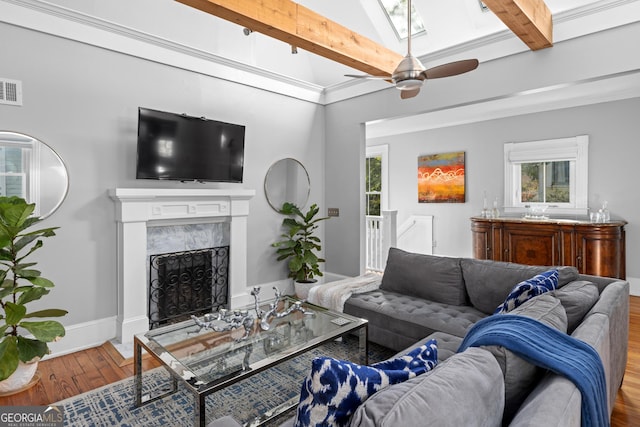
579	262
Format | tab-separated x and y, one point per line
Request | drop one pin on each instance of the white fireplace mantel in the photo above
138	208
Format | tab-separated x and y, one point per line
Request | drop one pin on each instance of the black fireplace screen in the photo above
186	283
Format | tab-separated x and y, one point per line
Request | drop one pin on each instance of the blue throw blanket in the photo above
551	349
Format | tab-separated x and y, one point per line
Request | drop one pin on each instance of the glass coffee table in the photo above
206	361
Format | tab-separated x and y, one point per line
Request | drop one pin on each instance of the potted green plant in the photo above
24	337
299	245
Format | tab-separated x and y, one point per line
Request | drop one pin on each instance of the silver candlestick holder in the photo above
226	320
274	313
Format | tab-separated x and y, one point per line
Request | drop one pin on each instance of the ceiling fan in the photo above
410	74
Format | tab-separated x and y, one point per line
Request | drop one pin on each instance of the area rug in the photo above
113	405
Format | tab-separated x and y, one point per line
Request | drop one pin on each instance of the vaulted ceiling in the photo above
338	37
301	27
334	37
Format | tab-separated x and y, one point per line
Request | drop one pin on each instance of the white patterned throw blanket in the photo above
333	295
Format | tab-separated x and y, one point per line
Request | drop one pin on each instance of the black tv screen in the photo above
180	147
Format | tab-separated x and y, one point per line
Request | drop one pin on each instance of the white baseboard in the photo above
634	286
84	335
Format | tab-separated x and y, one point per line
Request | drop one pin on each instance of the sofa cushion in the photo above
428	277
527	289
577	298
335	388
489	282
448	345
411	317
465	390
520	376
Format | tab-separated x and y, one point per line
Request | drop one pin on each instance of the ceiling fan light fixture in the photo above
409	84
410	74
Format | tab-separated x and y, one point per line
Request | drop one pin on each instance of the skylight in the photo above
396	11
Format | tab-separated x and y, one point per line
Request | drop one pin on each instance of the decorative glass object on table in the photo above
227	320
602	215
486	213
536	212
494	212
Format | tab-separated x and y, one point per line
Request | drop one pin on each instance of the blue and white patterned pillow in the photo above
335	388
524	291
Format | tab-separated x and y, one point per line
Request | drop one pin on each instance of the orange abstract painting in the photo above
441	178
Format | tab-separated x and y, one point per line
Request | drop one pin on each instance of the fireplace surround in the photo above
138	208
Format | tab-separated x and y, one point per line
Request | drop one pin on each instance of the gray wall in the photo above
83	102
613	129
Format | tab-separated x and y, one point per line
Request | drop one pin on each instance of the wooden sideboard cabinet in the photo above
593	248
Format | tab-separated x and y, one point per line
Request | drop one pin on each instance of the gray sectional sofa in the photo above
424	297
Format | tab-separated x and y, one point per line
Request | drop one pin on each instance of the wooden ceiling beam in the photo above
298	26
530	20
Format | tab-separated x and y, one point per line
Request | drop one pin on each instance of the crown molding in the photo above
62	22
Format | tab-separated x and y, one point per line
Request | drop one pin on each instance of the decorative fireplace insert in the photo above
187	283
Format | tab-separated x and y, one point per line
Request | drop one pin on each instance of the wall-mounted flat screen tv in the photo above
185	148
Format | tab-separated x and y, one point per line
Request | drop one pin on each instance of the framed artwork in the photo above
441	178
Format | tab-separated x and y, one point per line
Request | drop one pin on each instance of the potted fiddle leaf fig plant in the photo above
300	245
24	336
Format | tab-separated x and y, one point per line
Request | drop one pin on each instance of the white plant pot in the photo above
302	288
19	379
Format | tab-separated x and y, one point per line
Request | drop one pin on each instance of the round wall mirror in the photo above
287	181
31	169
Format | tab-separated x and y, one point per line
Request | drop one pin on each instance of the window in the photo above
14	169
375	179
373	185
545	182
396	11
551	173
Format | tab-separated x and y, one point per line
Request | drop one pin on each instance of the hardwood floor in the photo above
76	373
626	411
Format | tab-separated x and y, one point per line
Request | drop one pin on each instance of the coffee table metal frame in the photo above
200	389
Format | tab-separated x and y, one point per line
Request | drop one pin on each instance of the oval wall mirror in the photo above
31	169
287	180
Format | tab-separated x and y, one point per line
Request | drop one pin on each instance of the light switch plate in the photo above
333	212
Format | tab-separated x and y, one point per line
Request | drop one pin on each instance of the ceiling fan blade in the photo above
406	94
451	69
368	76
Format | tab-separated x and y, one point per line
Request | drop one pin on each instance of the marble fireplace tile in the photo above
177	238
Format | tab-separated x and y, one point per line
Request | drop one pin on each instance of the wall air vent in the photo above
10	92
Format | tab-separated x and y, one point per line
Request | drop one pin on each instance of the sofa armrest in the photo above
556	401
614	303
